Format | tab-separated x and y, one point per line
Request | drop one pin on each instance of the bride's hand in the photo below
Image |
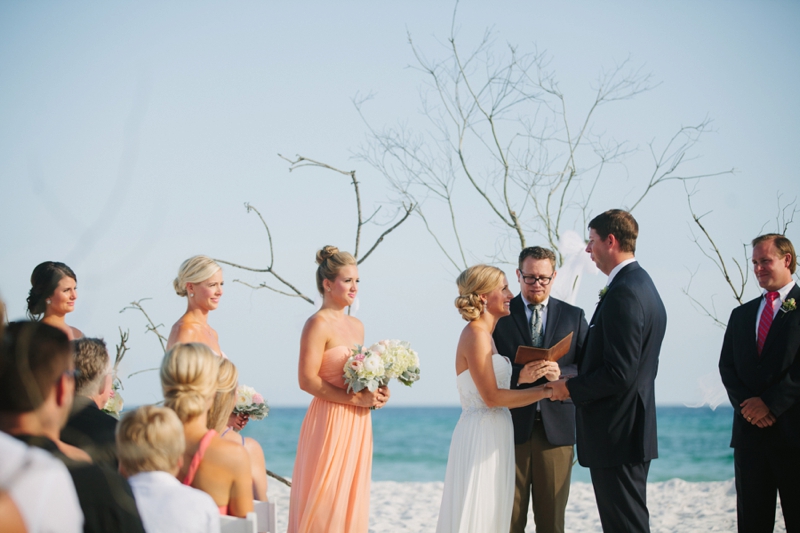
534	371
367	398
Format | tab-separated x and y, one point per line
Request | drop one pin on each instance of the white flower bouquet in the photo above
400	361
115	403
249	402
375	366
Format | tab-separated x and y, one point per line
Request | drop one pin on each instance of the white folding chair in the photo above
232	524
267	517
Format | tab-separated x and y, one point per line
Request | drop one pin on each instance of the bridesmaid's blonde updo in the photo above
189	379
331	261
194	270
472	284
225	398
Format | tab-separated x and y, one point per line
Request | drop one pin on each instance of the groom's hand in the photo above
560	390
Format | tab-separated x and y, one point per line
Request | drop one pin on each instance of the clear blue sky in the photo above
132	134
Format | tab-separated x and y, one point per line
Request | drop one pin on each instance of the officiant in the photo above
544	432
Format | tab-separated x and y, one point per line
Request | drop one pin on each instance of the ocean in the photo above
411	443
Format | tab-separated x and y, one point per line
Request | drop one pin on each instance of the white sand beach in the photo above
676	506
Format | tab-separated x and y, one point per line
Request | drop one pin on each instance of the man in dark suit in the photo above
760	368
544	432
614	392
89	427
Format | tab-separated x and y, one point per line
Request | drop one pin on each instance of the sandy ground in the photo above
675	506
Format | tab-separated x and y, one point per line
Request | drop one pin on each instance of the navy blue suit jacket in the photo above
514	331
775	376
614	392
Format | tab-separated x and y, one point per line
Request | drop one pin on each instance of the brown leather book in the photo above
526	354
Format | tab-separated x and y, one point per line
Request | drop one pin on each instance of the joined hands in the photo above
755	411
560	390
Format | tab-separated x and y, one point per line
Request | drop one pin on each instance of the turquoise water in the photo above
411	443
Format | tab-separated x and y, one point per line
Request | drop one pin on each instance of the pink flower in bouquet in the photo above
356	365
257	398
359	357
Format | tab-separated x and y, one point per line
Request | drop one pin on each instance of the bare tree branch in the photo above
500	124
151	326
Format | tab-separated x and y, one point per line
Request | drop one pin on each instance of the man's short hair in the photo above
92	363
537	252
150	439
33	356
783	245
620	224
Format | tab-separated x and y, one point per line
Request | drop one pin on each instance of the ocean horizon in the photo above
411	443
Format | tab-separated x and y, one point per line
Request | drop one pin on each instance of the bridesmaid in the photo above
333	467
200	281
54	289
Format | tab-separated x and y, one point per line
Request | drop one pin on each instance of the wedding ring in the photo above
749	419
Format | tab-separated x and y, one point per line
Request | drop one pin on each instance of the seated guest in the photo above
151	445
36	491
220	468
88	427
37	386
218	420
39	487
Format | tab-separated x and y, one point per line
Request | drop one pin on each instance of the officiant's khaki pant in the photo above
543	475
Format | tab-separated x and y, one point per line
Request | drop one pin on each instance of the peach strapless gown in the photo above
333	467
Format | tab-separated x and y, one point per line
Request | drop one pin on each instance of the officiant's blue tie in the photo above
537	337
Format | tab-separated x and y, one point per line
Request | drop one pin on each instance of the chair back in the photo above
267	517
232	524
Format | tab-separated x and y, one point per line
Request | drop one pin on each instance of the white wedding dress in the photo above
479	483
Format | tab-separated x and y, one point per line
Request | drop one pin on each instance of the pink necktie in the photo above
766	319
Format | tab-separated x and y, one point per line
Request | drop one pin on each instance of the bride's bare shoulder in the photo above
474	335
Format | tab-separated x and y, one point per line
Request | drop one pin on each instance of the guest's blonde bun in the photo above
472	284
189	379
331	261
194	270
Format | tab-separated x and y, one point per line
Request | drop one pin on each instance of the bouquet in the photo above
249	402
115	403
375	366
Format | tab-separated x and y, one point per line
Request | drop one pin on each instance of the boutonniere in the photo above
604	290
788	305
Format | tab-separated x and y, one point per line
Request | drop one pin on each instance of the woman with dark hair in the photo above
54	289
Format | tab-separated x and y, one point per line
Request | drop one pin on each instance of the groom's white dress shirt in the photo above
617	268
168	506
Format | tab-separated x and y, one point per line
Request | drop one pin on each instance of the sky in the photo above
132	135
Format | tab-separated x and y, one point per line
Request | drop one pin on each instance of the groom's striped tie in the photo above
767	314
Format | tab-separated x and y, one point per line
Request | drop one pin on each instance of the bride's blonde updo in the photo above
225	398
472	284
194	270
189	379
331	261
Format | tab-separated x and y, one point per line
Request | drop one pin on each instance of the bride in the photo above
479	483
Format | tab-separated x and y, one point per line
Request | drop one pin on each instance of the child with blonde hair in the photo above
150	446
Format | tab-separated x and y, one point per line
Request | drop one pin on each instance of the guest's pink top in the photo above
197	458
333	467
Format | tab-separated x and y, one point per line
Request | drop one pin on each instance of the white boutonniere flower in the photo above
789	305
602	293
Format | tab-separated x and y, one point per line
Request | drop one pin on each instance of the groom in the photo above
614	389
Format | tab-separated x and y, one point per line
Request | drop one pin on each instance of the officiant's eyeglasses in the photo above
531	280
